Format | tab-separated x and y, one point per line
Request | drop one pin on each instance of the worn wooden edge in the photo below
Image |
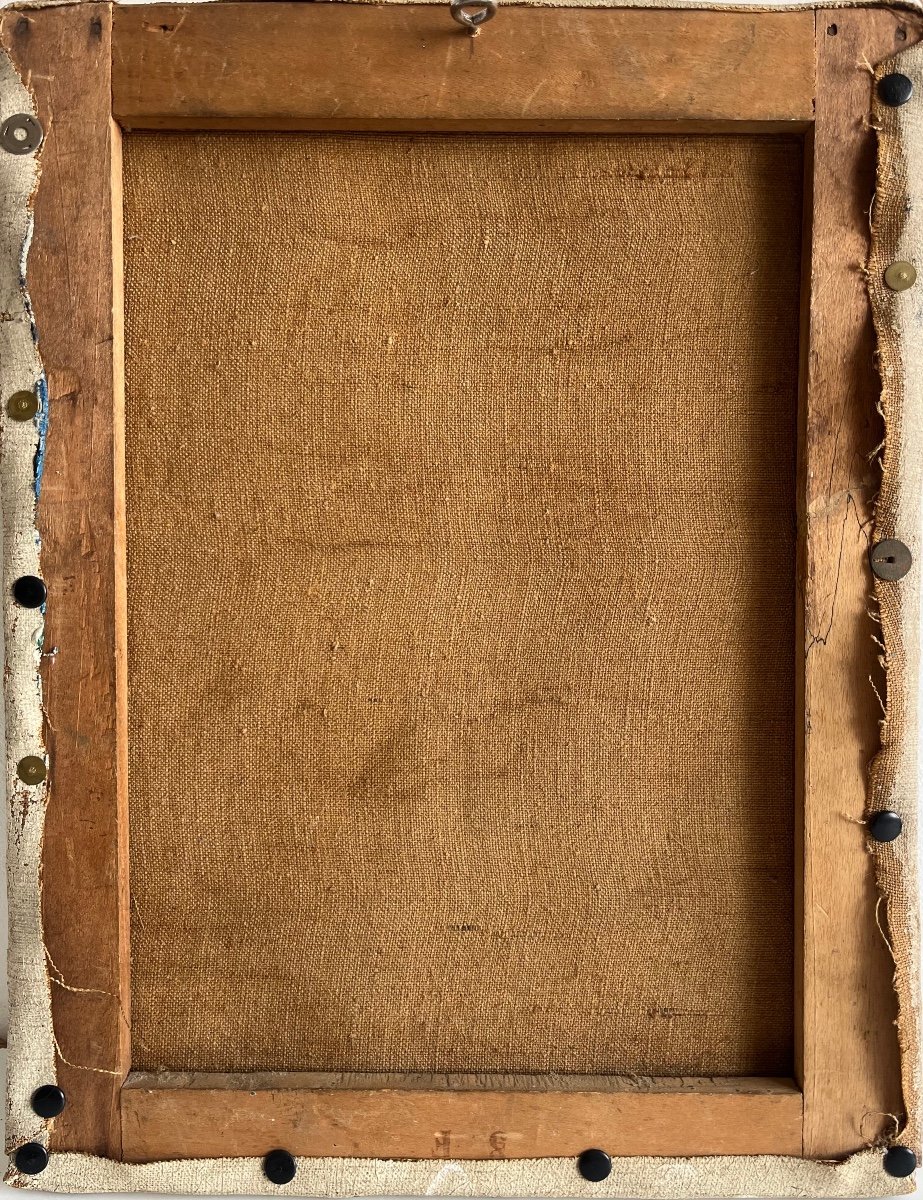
64	57
801	963
120	613
424	125
848	1062
276	1081
289	65
168	1118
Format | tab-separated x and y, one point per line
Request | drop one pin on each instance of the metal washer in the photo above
31	1158
900	276
279	1167
895	89
29	591
594	1165
21	134
885	825
31	769
890	559
900	1161
48	1101
22	406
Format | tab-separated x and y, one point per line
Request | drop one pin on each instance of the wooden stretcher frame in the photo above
97	71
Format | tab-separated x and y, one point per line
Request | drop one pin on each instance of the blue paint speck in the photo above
41	420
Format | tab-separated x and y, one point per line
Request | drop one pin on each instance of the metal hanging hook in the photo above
472	14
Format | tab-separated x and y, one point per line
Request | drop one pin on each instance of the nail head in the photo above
894	89
20	134
594	1165
31	1158
885	826
279	1167
22	406
48	1101
890	559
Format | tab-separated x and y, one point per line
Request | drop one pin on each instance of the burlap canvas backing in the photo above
461	601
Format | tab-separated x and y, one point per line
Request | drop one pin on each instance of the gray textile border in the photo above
32	1053
32	1049
862	1175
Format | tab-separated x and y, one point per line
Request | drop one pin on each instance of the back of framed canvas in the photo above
451	594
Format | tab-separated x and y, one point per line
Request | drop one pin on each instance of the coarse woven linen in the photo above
460	492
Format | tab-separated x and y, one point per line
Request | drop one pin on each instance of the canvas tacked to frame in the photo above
32	1051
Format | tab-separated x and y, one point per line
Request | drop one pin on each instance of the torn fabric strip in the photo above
897	235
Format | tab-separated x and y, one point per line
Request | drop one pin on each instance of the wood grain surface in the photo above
289	66
193	1116
849	1055
64	56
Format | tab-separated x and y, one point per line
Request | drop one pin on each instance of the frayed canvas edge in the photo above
897	234
32	1051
